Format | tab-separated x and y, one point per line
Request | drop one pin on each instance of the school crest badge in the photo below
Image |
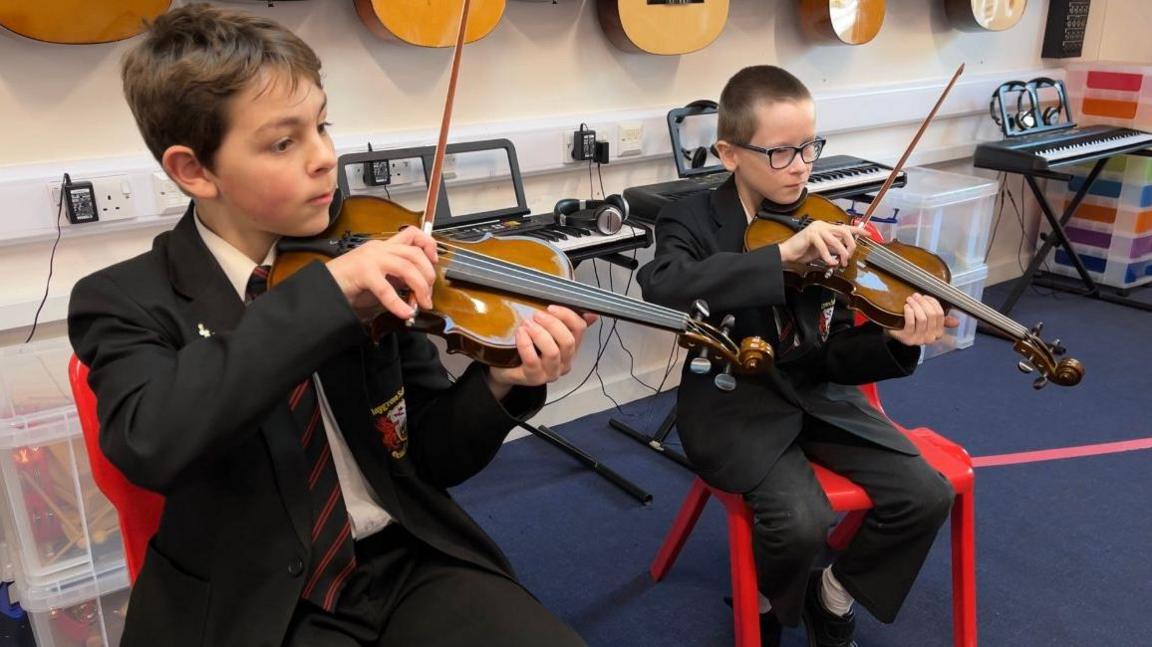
391	422
825	321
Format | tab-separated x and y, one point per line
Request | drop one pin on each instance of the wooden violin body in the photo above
79	22
486	288
881	276
665	27
428	23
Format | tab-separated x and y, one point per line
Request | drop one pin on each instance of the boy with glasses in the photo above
758	440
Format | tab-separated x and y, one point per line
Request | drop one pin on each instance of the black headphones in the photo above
698	156
1027	105
606	216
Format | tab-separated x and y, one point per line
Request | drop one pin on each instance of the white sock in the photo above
833	595
765	604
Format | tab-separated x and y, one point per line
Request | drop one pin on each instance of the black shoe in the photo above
825	629
770	627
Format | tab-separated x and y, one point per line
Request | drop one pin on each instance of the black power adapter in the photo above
584	143
80	200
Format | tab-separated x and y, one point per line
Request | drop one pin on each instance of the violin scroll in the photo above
1041	356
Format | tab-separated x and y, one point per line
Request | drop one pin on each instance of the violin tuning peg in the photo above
724	380
700	365
1040	383
1025	367
1057	349
700	307
1038	328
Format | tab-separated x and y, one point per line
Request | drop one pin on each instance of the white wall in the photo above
61	109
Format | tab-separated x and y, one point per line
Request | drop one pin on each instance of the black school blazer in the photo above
734	438
192	390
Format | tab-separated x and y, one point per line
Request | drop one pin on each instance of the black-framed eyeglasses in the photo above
780	157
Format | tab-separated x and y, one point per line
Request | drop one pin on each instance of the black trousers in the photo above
792	517
405	593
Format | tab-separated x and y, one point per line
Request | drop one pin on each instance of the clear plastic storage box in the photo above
970	282
946	213
58	522
85	610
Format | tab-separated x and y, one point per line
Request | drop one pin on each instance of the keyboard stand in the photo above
589	461
1058	236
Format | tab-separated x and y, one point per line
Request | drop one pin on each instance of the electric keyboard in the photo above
578	243
1042	151
836	176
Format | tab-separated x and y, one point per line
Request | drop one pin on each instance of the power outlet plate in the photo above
630	139
566	154
169	199
115	198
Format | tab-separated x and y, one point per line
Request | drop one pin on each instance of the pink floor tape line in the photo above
1062	452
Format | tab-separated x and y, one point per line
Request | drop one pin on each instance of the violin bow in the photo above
429	215
908	151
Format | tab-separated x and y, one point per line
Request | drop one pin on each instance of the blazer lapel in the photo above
213	307
728	216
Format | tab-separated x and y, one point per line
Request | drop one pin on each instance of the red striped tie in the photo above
333	557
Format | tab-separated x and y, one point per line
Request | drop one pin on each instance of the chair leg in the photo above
685	520
844	531
745	590
964	571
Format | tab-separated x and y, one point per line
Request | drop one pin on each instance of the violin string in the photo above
603	299
594	299
548	286
929	282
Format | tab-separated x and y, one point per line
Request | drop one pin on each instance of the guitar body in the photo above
79	22
665	27
851	22
984	15
428	23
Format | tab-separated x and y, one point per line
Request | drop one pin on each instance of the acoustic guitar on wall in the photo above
666	27
428	23
851	22
981	15
79	22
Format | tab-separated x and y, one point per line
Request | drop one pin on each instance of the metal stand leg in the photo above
589	461
656	441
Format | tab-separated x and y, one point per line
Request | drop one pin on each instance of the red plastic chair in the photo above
139	509
946	456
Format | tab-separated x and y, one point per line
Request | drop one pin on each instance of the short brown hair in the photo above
746	90
192	60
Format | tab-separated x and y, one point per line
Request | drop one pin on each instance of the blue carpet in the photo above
1060	544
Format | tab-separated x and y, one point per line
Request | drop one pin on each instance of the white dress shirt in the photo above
366	514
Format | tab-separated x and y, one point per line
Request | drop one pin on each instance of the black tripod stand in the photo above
656	440
589	461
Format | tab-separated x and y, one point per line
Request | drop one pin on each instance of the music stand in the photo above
444	218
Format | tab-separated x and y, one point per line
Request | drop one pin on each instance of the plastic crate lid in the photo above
36	405
929	188
73	588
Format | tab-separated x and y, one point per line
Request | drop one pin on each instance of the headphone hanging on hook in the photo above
605	216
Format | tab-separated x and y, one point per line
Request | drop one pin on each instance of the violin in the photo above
881	276
484	289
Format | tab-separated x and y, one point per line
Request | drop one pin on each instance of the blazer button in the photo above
295	567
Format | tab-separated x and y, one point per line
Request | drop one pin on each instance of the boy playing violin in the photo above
758	440
304	466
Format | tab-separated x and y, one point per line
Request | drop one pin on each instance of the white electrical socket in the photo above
169	198
448	170
630	139
566	156
400	172
115	199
